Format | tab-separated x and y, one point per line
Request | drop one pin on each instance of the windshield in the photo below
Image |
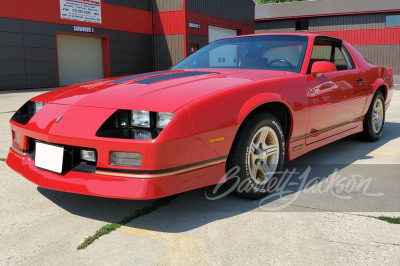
269	52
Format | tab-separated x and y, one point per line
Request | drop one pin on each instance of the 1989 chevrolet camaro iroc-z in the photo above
250	102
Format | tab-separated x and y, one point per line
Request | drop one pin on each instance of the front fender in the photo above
258	100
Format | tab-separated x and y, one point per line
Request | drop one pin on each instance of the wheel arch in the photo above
272	103
380	85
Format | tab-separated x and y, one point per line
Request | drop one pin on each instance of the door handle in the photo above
360	81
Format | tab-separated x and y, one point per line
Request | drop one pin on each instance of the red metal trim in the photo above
169	22
366	36
205	20
106	57
325	15
185	21
113	17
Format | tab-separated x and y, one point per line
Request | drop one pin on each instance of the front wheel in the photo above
374	120
257	155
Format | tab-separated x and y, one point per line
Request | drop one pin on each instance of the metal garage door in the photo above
216	33
80	59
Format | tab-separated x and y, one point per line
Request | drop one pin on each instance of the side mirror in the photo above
322	67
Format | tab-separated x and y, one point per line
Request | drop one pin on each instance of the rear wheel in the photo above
257	155
374	121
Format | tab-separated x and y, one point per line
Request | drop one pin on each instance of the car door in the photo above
336	99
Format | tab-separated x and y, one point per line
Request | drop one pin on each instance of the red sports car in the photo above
250	102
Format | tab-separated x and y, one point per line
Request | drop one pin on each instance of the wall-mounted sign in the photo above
194	25
83	29
194	48
81	10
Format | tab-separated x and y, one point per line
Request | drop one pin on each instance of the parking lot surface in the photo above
317	218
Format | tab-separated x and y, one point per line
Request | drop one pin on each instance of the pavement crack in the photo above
345	243
391	244
108	228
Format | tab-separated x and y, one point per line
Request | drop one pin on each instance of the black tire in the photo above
240	181
370	133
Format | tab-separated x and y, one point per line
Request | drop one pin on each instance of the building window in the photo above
302	25
393	21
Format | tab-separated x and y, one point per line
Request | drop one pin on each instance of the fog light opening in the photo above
88	155
126	159
143	135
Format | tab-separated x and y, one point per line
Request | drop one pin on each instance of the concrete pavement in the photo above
315	224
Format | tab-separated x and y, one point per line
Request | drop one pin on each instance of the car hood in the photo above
156	91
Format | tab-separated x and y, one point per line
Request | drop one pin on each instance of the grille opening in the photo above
72	161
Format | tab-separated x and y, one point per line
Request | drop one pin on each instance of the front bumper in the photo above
171	164
115	186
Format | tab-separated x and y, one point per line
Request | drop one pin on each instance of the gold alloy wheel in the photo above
377	116
263	155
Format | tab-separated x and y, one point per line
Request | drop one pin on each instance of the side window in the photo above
339	60
330	52
321	53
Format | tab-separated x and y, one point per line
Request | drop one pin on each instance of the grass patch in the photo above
107	229
392	220
2	159
8	112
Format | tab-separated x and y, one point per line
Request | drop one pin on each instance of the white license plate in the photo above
49	157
